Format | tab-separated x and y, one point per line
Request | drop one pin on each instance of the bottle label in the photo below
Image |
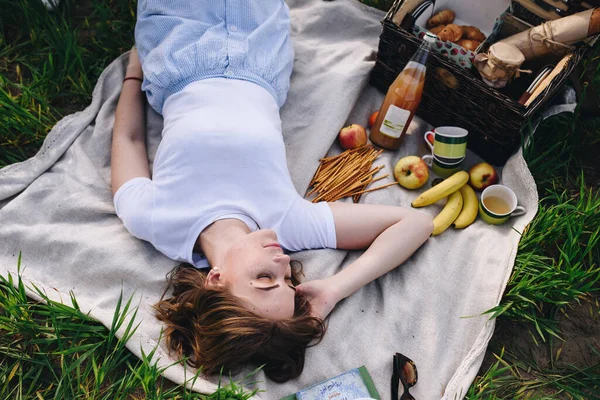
394	121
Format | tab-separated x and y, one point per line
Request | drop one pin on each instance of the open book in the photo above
351	385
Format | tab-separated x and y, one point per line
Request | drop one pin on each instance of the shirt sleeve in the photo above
308	226
134	203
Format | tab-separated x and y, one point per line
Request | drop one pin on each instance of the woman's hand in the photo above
321	295
134	68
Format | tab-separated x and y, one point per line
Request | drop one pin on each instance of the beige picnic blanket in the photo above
56	208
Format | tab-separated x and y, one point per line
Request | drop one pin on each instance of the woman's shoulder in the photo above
307	225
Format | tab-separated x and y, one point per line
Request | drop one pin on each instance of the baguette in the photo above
556	36
594	26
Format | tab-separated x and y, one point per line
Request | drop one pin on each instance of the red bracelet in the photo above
133	77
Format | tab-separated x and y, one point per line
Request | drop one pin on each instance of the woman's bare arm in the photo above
392	235
129	157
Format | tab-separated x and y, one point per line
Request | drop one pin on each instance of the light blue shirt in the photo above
183	41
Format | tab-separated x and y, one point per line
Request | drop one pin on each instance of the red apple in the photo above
352	136
430	139
373	118
411	172
482	175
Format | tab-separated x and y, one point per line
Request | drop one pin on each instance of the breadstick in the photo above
346	174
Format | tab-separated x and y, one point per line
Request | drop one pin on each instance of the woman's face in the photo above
257	271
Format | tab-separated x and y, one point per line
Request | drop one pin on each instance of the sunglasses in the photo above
405	371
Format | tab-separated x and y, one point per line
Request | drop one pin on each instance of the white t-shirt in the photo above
221	156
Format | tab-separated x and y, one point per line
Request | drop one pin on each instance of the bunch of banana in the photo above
470	207
461	207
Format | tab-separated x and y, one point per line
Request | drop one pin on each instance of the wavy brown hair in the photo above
213	329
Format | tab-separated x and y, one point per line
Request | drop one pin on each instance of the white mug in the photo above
449	143
502	196
440	168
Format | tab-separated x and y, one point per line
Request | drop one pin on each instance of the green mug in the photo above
449	143
440	168
498	203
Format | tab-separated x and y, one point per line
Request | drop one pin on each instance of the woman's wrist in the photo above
337	287
351	278
134	71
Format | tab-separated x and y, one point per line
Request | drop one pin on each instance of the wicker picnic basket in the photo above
454	95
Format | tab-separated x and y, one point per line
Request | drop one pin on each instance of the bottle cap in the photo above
429	37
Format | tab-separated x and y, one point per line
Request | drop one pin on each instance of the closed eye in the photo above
266	277
266	289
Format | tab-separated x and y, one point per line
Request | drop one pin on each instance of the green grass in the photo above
557	265
559	254
49	63
52	350
557	260
511	378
